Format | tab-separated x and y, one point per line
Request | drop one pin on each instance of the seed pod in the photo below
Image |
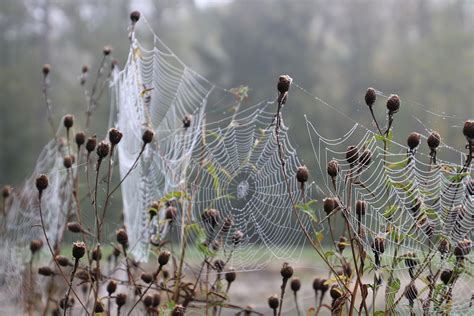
78	249
74	227
135	16
147	136
434	140
379	244
333	168
80	138
148	300
295	284
237	238
42	183
352	154
341	245
413	140
286	271
335	292
446	276
273	302
147	278
164	257
96	254
178	310
411	293
361	207
230	275
211	216
107	50
91	143
468	130
410	260
370	97
302	174
111	287
45	271
103	149
156	299
67	162
463	248
284	82
62	261
186	121
393	104
228	222
115	136
121	299
6	191
68	121
444	246
329	205
122	237
365	158
46	69
35	245
98	307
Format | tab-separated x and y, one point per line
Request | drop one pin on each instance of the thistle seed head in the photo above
370	97
78	249
333	168
413	140
393	104
434	140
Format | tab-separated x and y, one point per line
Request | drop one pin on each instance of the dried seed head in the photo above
411	293
147	278
370	97
273	302
6	191
446	276
107	50
284	82
78	249
96	254
365	158
434	140
237	238
121	299
410	260
164	257
122	237
115	136
171	213
62	261
85	69
333	168
68	121
393	104
45	271
74	227
335	292
148	300
295	284
91	143
352	154
42	182
98	307
111	287
156	299
103	149
341	245
178	310
210	216
80	138
228	222
230	275
463	248
379	244
286	271
468	130
320	285
329	204
135	16
219	265
361	207
147	136
444	246
413	140
186	121
302	174
67	162
46	69
35	245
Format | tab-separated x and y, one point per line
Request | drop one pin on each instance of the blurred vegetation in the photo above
422	50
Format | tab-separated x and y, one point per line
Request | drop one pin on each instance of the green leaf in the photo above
398	165
379	313
205	251
457	178
306	208
329	254
391	291
319	236
390	211
172	195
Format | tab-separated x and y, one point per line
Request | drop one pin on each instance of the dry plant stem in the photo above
48	105
76	264
52	256
30	286
296	304
97	271
183	253
146	289
375	120
283	287
91	98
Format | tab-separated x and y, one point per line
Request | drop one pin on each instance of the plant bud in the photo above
78	249
96	254
361	208
42	182
67	162
121	299
273	302
333	168
295	284
147	278
91	143
103	149
178	310
135	16
187	121
148	300
111	287
80	138
147	136
370	97
74	227
393	104
107	50
115	136
46	69
36	245
413	140
68	121
434	140
446	276
468	130
329	204
164	257
352	154
122	237
62	261
284	82
45	271
286	271
302	174
230	275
